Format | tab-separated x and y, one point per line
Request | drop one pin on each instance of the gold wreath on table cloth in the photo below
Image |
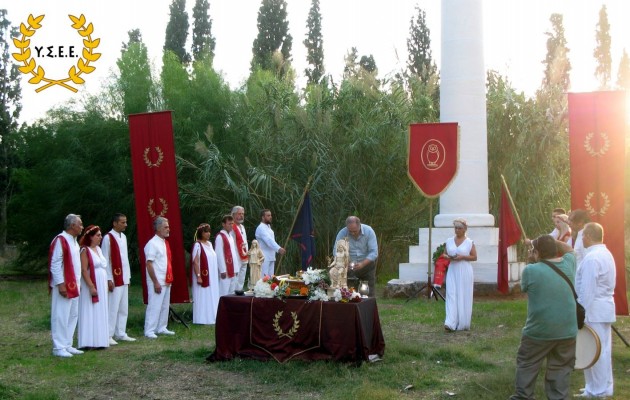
164	208
38	72
294	327
602	211
603	148
148	161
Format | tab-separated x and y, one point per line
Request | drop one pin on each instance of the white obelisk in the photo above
463	100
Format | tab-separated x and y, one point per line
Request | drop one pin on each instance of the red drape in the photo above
597	130
509	234
156	193
433	156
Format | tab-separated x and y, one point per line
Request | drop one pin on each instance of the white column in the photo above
463	100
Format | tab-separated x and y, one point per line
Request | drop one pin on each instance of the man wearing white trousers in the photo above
267	241
595	288
228	259
64	278
240	239
114	249
159	277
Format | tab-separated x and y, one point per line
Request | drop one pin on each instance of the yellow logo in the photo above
294	327
23	44
153	213
589	207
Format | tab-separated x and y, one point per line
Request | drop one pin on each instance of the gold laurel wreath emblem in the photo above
294	327
603	148
148	162
38	72
72	285
164	208
602	211
117	272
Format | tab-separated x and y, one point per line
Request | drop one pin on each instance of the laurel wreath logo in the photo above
148	162
603	148
164	208
602	211
38	72
294	327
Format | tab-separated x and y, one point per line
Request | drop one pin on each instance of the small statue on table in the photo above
339	266
256	258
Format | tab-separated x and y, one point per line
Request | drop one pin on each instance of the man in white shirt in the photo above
64	279
159	277
556	211
595	292
267	241
228	259
114	249
240	239
577	220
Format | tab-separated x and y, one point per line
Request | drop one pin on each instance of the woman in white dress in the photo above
459	279
93	309
205	278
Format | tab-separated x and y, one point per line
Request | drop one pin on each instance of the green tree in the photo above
10	107
368	64
420	61
177	30
273	34
557	64
602	50
623	75
203	42
314	45
135	81
351	63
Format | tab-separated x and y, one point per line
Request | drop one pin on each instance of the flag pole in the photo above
518	218
429	262
286	242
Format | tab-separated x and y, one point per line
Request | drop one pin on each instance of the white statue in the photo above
339	266
256	258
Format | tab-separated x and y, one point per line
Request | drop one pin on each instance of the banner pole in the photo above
518	218
286	242
429	280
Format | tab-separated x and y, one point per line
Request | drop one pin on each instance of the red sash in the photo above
204	271
169	265
70	278
92	273
227	253
240	243
116	260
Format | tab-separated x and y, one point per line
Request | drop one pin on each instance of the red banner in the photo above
156	193
509	234
433	156
597	130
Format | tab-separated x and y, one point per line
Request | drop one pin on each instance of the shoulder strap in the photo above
563	275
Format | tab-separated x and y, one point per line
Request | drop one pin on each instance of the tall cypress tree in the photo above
273	34
557	64
177	30
10	107
314	45
203	42
135	75
602	50
623	76
420	61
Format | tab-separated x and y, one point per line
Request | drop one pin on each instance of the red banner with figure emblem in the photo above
156	193
433	156
597	131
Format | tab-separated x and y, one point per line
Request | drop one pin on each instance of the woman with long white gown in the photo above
205	278
93	322
459	279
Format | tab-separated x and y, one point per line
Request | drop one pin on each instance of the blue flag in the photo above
304	233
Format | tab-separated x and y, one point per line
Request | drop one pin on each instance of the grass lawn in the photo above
421	361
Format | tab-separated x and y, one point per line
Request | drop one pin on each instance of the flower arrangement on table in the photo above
345	295
315	285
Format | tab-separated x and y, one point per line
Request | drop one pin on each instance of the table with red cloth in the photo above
286	329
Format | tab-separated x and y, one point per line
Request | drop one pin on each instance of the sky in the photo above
514	37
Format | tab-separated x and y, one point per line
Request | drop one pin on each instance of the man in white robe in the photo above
595	292
114	249
64	312
228	259
240	236
267	241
